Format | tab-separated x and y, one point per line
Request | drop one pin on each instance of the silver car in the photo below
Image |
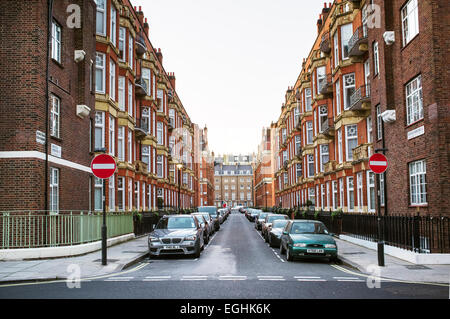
209	220
176	234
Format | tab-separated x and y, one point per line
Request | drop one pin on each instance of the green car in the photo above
307	239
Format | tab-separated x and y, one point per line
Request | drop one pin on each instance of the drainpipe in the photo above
49	37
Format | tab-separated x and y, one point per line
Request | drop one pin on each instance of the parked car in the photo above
176	234
213	212
267	223
307	238
204	224
210	221
254	214
276	231
259	219
243	209
222	215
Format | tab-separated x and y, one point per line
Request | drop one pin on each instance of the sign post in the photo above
378	164
103	166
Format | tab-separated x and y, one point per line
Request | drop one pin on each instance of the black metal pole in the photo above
104	229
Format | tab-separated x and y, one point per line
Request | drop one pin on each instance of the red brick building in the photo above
367	73
107	92
263	171
45	146
204	161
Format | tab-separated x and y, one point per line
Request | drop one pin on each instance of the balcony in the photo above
142	128
141	48
325	43
328	127
358	43
141	88
326	85
361	153
360	99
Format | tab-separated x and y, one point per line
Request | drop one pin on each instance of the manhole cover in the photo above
354	253
417	267
107	260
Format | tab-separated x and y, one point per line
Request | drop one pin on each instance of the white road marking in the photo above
119	279
273	278
307	277
194	278
232	277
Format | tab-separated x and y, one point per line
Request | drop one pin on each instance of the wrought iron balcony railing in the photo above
357	45
360	99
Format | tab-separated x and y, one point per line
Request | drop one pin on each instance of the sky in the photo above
233	60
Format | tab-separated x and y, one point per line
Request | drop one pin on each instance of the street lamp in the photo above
179	167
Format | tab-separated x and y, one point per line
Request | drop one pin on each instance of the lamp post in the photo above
179	167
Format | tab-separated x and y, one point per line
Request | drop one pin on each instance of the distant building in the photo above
233	180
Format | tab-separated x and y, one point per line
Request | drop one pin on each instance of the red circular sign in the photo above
378	163
103	166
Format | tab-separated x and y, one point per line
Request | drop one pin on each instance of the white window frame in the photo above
417	183
348	89
112	190
338	97
112	80
100	67
101	17
99	129
121	143
371	192
341	192
130	98
414	100
376	59
130	52
122	42
359	191
56	41
348	138
410	21
146	156
309	132
346	34
121	193
130	146
121	97
350	194
339	145
55	116
379	122
310	162
54	189
98	189
324	155
308	100
113	25
335	194
160	166
112	136
160	133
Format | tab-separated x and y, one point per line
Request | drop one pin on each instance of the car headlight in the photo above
193	237
153	239
300	245
330	246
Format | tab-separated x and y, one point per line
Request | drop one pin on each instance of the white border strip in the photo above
41	156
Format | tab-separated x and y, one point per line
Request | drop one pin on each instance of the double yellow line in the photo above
388	279
138	267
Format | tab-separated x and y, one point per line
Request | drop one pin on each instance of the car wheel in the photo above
288	255
197	252
282	251
206	240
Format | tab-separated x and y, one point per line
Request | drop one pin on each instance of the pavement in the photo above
124	255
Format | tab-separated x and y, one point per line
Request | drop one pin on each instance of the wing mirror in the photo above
285	233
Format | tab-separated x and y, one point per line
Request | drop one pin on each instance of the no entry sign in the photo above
103	166
378	163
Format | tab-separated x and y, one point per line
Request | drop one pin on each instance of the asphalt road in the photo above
236	264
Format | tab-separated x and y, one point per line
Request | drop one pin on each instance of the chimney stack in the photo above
140	15
146	27
325	11
159	55
319	24
172	79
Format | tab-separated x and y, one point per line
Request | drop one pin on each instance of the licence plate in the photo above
171	247
315	251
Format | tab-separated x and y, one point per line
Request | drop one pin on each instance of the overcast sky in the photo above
233	60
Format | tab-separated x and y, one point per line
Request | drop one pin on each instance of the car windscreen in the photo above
262	216
206	215
200	219
272	218
280	223
308	228
209	210
176	223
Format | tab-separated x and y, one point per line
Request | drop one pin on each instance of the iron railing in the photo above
33	229
421	234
